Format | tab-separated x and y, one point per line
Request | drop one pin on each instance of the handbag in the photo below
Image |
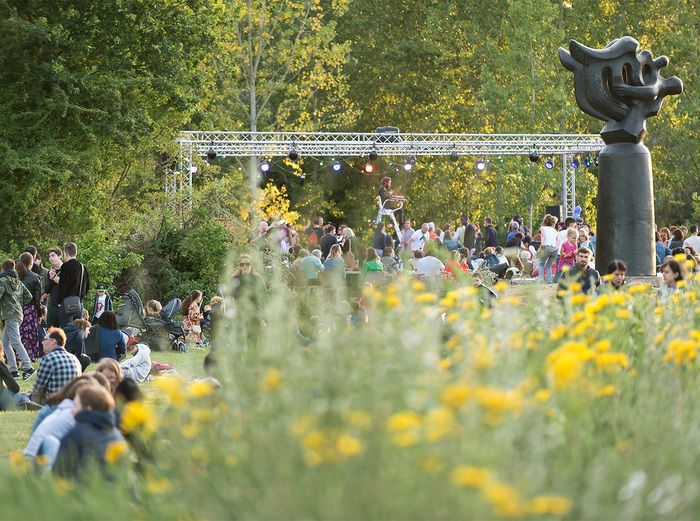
72	305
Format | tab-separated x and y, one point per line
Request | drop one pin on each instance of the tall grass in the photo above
437	407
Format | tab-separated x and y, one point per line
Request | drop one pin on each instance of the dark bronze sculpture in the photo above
622	86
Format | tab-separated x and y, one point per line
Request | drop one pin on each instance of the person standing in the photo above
549	245
29	329
51	288
73	282
14	295
406	232
381	240
103	302
328	240
419	238
693	241
490	234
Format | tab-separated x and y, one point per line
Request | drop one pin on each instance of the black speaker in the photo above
555	211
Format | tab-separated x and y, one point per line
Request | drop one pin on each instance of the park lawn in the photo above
16	426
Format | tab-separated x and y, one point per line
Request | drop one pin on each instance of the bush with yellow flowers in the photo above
432	405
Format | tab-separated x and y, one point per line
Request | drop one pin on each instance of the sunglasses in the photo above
244	264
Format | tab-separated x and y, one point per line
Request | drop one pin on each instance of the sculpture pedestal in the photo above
625	209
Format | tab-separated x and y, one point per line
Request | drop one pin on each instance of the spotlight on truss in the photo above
480	165
336	166
264	166
549	164
369	168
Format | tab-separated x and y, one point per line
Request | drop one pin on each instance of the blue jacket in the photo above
661	252
86	442
491	236
112	343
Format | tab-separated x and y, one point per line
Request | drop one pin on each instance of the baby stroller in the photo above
160	333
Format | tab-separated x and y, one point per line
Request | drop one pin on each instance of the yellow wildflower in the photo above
271	380
405	439
171	386
558	332
503	498
607	390
190	430
348	446
483	359
392	301
542	395
473	477
137	415
500	287
314	440
611	362
359	419
566	369
426	298
439	423
18	463
623	313
403	420
61	486
115	450
200	388
639	288
455	396
158	485
579	298
553	505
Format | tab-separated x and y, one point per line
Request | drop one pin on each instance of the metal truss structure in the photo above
267	145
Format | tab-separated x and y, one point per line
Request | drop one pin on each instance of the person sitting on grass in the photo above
389	261
581	273
616	273
10	397
112	344
485	294
93	434
46	438
456	267
138	366
54	399
372	262
111	369
57	367
672	273
76	333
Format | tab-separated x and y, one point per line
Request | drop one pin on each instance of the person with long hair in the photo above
46	438
616	274
192	316
672	273
111	370
335	263
372	262
677	239
111	340
248	286
29	328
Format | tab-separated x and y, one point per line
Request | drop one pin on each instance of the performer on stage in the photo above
389	200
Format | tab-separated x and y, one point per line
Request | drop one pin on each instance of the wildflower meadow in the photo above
437	407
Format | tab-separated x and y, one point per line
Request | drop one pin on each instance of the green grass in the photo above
15	426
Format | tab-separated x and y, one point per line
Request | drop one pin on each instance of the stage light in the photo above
369	168
588	162
293	154
264	166
549	164
211	154
407	166
373	155
193	169
480	165
336	166
574	163
454	156
534	155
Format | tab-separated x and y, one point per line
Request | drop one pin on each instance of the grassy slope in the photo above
15	427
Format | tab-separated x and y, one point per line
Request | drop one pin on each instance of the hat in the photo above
101	287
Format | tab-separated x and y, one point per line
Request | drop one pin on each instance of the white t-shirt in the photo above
418	240
100	308
430	266
561	238
459	234
694	242
549	236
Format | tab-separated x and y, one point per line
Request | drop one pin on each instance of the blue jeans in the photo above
10	400
12	341
545	266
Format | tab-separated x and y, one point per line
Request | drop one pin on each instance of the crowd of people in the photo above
44	318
